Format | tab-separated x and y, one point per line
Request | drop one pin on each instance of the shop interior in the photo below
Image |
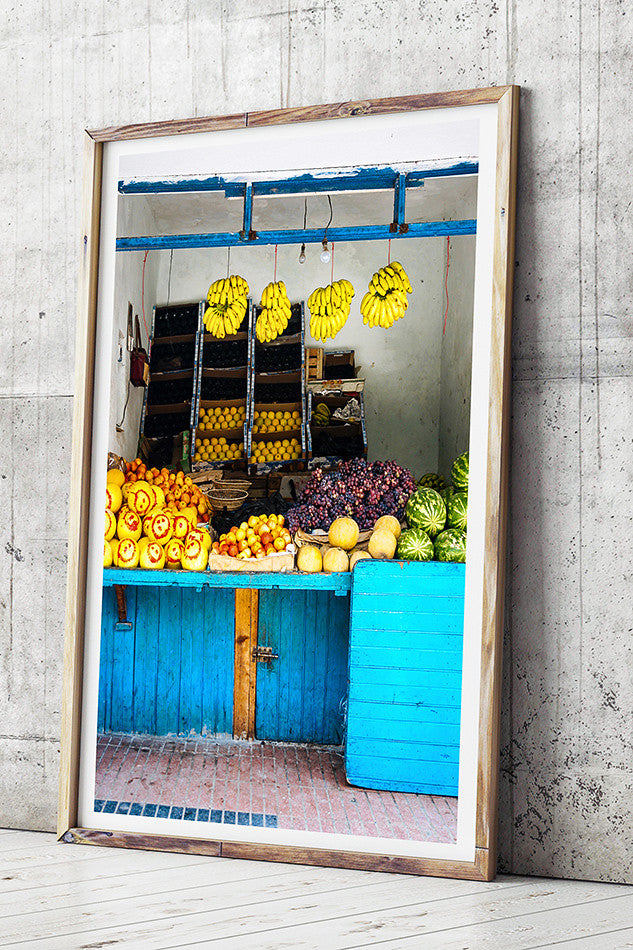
230	696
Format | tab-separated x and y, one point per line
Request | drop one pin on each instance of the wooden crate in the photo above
314	362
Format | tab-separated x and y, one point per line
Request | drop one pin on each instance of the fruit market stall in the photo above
327	607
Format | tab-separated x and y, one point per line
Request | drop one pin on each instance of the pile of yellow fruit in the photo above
222	417
281	450
279	421
217	450
145	532
259	537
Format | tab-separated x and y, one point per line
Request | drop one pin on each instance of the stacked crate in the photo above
223	399
278	387
169	400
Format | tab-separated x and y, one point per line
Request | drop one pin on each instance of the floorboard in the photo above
69	897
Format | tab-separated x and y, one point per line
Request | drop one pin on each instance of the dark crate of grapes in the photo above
161	424
163	392
277	359
225	353
223	387
167	356
278	392
176	320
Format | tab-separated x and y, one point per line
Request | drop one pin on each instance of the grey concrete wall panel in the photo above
567	768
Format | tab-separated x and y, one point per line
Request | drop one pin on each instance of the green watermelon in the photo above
431	480
456	510
459	473
447	492
415	545
426	509
450	545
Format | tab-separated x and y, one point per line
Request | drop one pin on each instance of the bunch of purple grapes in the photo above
357	489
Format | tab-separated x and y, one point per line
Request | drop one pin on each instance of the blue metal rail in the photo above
377	232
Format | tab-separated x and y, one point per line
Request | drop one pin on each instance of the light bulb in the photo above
302	254
325	253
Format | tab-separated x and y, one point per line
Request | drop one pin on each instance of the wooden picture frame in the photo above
505	99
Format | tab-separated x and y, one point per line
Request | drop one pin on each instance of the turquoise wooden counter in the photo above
269	656
252	654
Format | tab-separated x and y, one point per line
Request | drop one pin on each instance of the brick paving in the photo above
277	785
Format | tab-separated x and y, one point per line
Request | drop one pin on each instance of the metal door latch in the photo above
264	654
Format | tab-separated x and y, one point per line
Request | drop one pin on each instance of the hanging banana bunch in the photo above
275	313
386	300
228	303
329	309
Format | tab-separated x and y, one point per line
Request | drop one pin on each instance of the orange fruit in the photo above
115	477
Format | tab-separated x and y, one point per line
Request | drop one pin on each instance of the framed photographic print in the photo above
292	403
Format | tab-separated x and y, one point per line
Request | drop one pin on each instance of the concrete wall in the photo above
567	769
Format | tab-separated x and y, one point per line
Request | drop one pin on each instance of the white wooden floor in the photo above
67	897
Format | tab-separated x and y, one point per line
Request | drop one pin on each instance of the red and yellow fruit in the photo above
107	554
114	497
152	557
141	498
194	556
174	550
158	526
110	524
126	554
129	525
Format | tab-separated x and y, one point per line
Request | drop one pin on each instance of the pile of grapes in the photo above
359	489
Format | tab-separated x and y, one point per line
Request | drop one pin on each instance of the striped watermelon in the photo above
426	509
450	546
432	480
459	473
415	545
456	510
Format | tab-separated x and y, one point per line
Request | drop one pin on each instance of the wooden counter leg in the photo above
245	673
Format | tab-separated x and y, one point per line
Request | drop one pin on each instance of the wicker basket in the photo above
221	498
219	482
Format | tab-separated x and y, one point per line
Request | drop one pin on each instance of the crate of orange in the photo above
179	489
263	543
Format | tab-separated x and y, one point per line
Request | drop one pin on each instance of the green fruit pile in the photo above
321	415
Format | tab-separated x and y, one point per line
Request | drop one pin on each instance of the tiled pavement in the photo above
267	784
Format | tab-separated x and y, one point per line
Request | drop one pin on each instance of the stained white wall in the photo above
456	352
129	288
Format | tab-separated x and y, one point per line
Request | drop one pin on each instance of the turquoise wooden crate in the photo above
172	672
405	669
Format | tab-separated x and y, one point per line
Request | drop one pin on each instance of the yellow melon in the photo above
115	477
382	544
126	553
152	557
114	497
129	525
392	524
107	554
140	498
343	533
356	556
309	559
335	561
110	524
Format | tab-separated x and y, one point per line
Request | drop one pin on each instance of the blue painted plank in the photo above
363	178
169	655
434	777
256	580
218	662
402	695
407	678
405	670
432	733
387	717
108	619
299	695
146	660
446	658
377	232
414	750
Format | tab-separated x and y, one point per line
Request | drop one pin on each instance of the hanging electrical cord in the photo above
143	294
171	262
325	253
302	252
448	257
119	425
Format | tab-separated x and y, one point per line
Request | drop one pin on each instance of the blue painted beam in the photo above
137	577
399	198
247	222
364	178
379	232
